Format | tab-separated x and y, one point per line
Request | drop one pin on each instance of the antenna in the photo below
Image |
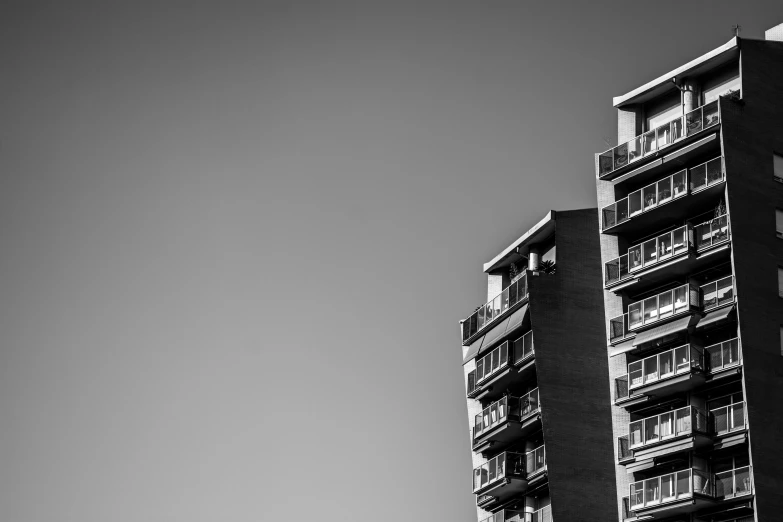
736	29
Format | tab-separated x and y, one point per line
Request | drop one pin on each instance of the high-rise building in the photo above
691	208
536	378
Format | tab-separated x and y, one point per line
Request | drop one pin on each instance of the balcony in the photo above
615	161
671	303
507	515
490	312
728	419
723	356
507	475
666	426
734	483
499	368
630	214
506	421
672	494
660	250
666	373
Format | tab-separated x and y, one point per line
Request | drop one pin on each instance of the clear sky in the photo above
236	238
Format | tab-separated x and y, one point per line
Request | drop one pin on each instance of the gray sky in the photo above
237	238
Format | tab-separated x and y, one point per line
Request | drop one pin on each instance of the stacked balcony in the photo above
508	515
498	369
635	211
505	421
685	299
667	247
618	160
489	313
507	475
686	491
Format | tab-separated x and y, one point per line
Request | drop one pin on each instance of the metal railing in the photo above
723	355
669	425
646	254
506	464
491	311
665	247
734	483
535	460
507	353
506	515
618	327
728	418
542	515
660	307
711	232
677	361
647	198
669	487
499	412
623	448
717	293
658	138
706	174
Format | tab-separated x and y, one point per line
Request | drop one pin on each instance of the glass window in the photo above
635	202
648	194
779	222
650	252
678	181
635	257
777	163
650	309
664	190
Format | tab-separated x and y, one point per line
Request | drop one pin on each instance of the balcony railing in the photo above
657	139
728	418
535	461
542	515
665	247
627	511
508	464
711	232
660	307
623	448
497	468
665	426
669	488
647	254
677	361
506	515
618	327
734	483
508	353
499	411
717	293
663	191
490	312
723	355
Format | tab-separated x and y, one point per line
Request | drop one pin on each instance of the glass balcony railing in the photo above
734	483
506	515
728	418
498	412
627	512
647	254
717	293
505	355
677	361
665	426
665	247
535	461
669	488
670	303
497	468
654	140
491	311
723	355
711	232
624	448
659	307
542	515
666	190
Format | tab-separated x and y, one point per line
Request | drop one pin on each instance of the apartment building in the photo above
535	372
691	221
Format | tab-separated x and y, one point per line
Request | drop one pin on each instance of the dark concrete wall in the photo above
567	317
751	131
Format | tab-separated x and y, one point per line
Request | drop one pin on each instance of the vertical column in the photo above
496	282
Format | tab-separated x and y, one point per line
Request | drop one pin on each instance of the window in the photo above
779	222
777	162
780	281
